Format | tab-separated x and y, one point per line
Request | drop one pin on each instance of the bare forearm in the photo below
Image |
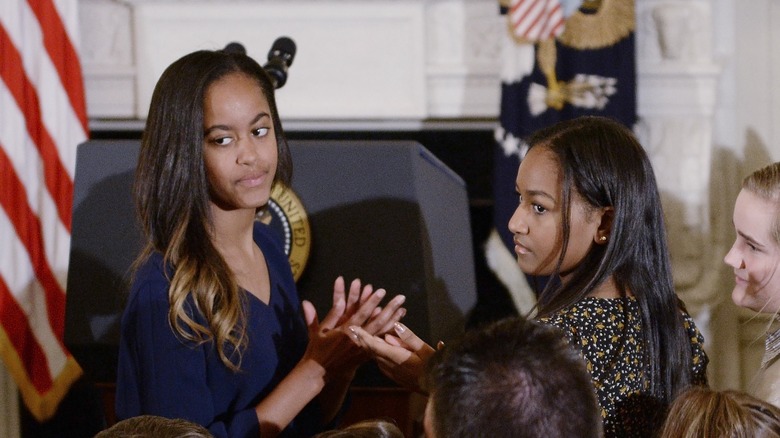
333	394
289	398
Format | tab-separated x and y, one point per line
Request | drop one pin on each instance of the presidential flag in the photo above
42	119
587	68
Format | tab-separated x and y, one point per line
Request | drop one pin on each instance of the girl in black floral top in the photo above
590	215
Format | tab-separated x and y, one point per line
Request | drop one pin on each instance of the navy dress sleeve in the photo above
161	374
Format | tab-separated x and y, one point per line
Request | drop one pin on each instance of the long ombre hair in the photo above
172	198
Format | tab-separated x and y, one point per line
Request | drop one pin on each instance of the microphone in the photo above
235	47
280	58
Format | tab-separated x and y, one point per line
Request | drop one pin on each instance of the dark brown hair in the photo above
603	163
513	378
172	196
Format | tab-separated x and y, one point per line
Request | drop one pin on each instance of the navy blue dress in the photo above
160	374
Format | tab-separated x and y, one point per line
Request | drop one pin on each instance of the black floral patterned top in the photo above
608	331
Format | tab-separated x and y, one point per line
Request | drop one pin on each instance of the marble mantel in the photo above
356	60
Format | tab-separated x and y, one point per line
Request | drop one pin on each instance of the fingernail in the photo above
399	328
401	298
403	312
381	293
354	332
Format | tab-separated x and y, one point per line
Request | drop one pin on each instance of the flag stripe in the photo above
55	175
28	167
58	116
555	27
28	228
62	54
555	22
524	13
29	294
536	19
43	119
20	336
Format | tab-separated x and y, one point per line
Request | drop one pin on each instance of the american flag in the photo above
42	119
535	20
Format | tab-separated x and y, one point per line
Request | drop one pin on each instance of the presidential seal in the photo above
285	214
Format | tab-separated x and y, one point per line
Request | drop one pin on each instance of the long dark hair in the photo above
602	161
172	197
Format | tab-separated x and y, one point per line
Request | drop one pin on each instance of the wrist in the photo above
312	372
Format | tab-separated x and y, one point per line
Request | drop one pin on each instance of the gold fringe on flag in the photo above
42	406
611	22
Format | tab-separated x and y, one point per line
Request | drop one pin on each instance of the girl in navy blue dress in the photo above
214	331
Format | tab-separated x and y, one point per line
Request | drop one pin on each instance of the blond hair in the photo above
366	429
765	183
152	426
700	412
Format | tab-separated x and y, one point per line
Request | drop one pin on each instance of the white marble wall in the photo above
357	60
677	96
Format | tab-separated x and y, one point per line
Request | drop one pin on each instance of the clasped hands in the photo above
401	356
373	332
331	341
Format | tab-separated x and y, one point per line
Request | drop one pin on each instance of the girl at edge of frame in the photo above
214	331
755	258
590	216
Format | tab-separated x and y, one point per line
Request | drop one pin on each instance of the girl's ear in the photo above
605	217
